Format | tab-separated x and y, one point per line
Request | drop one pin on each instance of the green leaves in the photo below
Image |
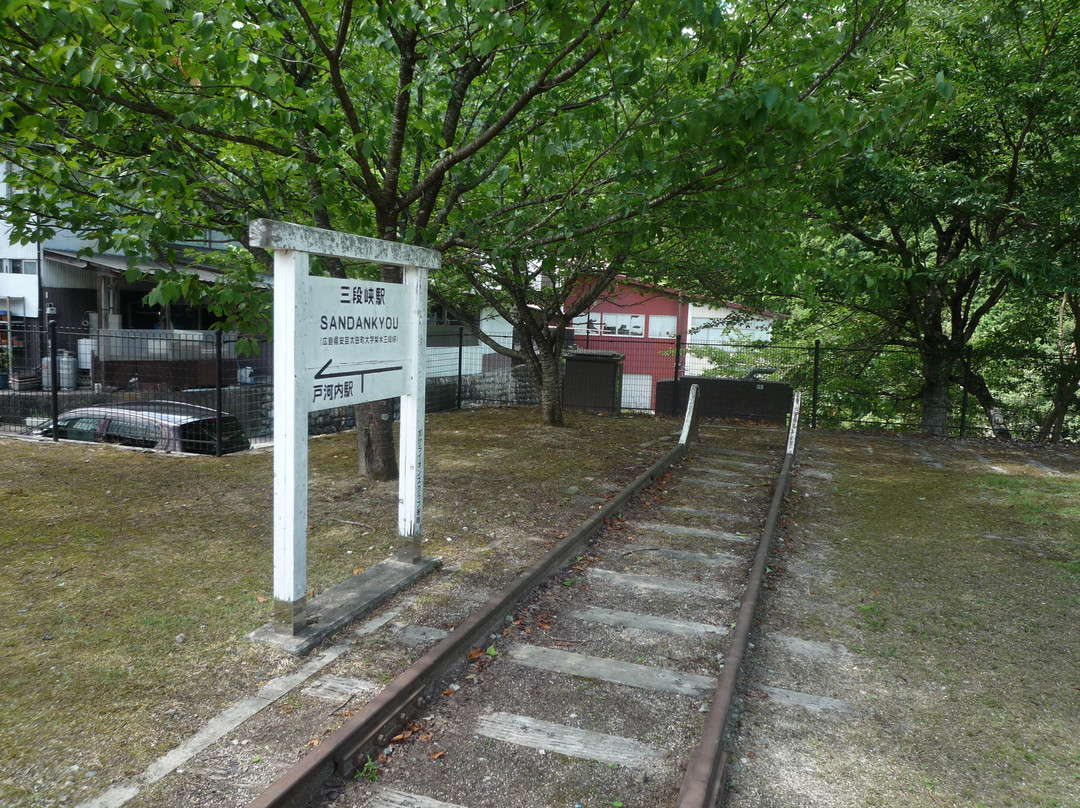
563	133
770	98
944	88
959	204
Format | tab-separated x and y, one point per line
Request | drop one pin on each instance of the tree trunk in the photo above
1052	426
935	392
976	385
1068	372
541	354
376	457
1064	397
375	453
550	388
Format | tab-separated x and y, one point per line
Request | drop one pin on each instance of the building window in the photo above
20	266
709	330
586	324
624	325
610	324
736	327
440	315
662	326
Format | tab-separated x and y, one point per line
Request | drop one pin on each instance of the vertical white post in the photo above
411	442
290	444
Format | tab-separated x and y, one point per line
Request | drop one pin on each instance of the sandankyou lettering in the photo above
353	323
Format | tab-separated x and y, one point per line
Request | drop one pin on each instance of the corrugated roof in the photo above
119	264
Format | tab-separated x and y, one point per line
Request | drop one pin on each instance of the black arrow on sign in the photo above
322	374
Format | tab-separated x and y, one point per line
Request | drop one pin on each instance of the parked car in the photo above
168	426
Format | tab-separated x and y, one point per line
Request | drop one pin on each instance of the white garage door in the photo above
637	390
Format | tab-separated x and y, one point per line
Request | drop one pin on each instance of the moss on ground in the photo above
955	589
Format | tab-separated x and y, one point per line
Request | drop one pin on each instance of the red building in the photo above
641	321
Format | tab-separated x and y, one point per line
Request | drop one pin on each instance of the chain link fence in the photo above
879	388
142	371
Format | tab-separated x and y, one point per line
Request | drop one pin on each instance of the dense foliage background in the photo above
895	175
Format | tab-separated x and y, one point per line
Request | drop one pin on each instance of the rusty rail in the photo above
703	785
400	701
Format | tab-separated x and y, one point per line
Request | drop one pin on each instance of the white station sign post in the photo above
340	342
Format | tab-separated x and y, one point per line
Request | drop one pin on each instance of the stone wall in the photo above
508	385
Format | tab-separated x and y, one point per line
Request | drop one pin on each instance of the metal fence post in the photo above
460	360
817	382
675	386
54	380
678	355
964	400
219	363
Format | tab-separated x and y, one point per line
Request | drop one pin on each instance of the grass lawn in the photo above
129	580
950	570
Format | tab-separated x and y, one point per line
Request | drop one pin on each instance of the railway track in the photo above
601	676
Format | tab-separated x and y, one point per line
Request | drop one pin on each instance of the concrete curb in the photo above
344	602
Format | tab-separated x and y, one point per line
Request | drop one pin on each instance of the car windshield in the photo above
132	432
201	437
83	428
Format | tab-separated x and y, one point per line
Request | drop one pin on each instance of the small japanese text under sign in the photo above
355	342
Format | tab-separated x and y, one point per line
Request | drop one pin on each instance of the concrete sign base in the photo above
337	606
290	617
